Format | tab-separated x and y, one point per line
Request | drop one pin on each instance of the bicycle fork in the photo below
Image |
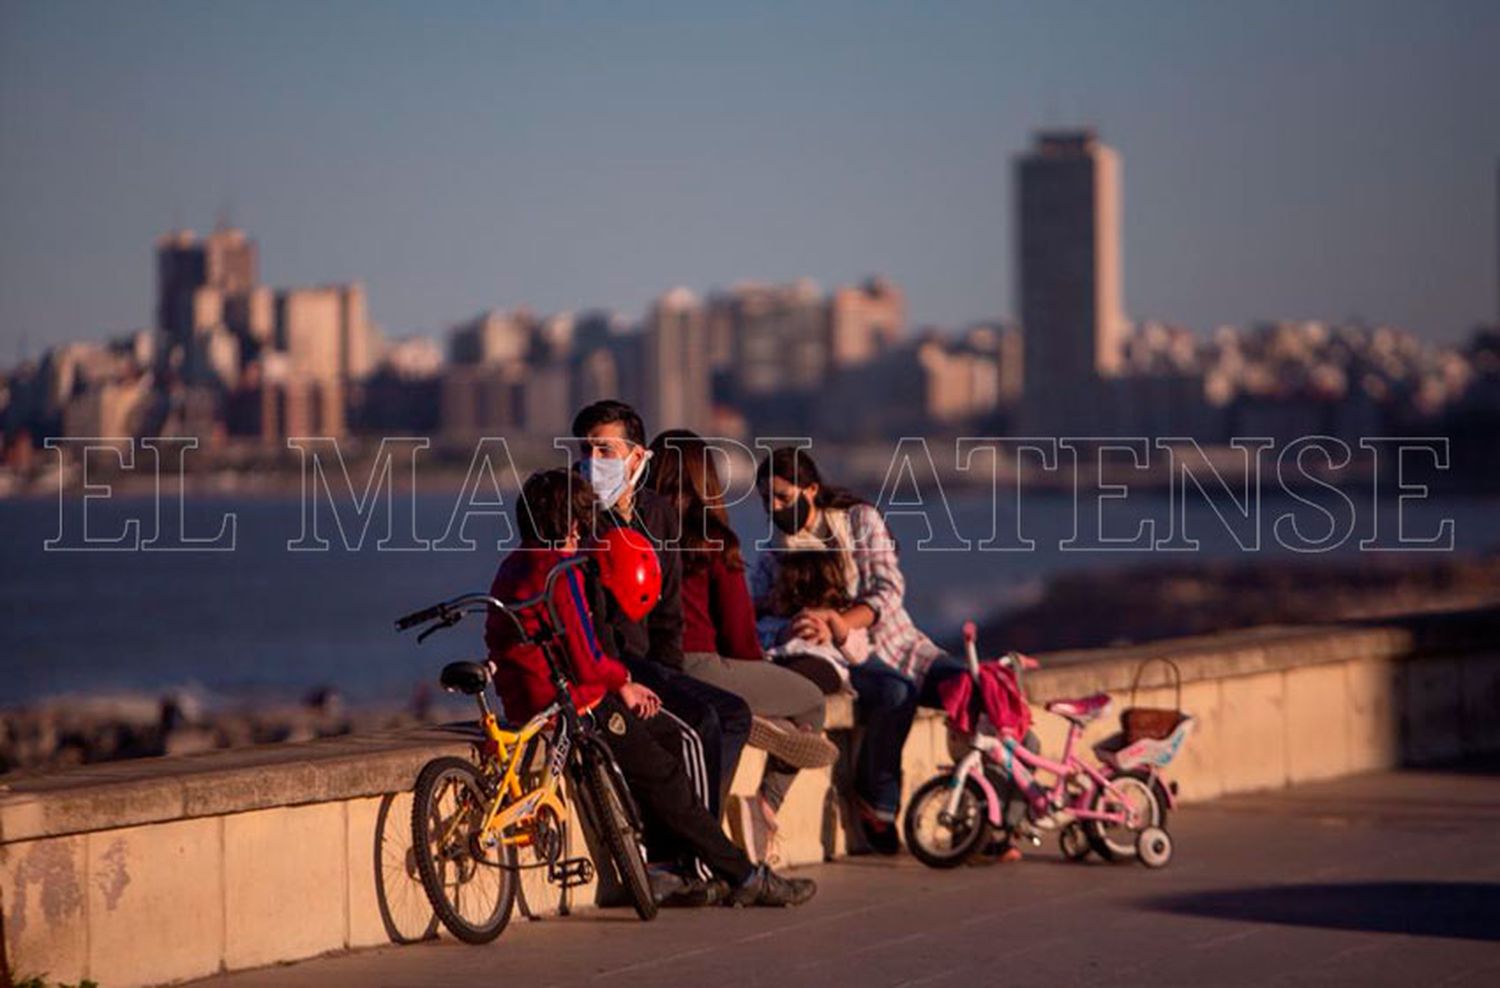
971	767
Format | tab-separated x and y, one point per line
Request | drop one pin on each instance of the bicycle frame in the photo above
1021	765
506	752
512	804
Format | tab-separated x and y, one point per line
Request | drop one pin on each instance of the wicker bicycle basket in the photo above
1152	722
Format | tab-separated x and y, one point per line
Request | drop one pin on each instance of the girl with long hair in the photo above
719	641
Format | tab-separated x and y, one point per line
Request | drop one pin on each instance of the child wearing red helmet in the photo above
553	504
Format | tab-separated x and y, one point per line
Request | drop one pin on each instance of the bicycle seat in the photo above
1082	709
464	677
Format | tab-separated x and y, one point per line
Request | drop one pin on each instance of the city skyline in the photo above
1319	164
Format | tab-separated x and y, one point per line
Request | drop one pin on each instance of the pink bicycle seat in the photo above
1082	709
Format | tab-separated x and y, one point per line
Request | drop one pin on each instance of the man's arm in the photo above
664	623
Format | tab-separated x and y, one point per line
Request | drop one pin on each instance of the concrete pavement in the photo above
1390	878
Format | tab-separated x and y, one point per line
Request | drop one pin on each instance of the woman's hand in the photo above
812	624
640	699
838	627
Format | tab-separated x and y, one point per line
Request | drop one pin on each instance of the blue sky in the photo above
1311	159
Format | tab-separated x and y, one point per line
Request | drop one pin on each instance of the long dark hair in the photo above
809	578
796	466
682	470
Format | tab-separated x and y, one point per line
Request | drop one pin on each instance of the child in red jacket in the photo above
553	504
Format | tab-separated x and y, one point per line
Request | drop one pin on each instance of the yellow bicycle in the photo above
470	818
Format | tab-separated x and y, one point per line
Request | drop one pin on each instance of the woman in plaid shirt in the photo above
904	666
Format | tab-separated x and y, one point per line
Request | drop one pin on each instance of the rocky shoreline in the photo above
1097	609
66	731
1091	609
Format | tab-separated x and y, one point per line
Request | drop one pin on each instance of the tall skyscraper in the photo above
675	358
313	331
780	338
1068	198
193	276
180	267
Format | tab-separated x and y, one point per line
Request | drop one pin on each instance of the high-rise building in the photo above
180	272
357	337
225	262
864	321
310	326
1068	197
491	338
230	260
780	338
674	356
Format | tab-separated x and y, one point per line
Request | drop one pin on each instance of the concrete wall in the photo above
139	873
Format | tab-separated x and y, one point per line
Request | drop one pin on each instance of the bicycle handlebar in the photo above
449	612
419	617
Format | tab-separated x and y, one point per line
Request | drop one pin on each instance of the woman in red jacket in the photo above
719	641
639	734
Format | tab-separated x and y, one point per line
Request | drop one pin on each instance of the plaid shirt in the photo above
894	639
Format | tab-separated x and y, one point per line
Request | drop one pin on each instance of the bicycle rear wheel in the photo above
1137	800
607	810
472	888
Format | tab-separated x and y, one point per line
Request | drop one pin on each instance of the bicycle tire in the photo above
612	822
973	806
1107	840
438	866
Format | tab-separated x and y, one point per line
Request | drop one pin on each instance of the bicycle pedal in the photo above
571	872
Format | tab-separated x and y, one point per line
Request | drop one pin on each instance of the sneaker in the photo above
766	888
878	832
665	884
695	893
754	828
791	744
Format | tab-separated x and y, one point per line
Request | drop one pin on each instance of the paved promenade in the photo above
1391	878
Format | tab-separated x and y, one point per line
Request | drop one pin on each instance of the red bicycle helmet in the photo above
629	570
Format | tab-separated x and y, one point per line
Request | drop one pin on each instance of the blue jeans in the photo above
886	705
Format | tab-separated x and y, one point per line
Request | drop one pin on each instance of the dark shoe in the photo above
766	888
665	884
696	894
820	670
881	835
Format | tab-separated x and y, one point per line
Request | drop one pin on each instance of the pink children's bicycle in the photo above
1116	809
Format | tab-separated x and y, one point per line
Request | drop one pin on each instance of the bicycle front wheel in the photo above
937	839
472	887
606	807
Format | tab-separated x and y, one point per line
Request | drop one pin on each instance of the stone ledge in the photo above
156	790
1249	651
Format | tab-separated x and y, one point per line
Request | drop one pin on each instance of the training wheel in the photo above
1074	842
1154	847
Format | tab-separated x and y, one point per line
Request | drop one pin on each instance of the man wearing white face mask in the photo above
613	457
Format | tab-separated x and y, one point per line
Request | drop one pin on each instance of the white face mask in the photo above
608	477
